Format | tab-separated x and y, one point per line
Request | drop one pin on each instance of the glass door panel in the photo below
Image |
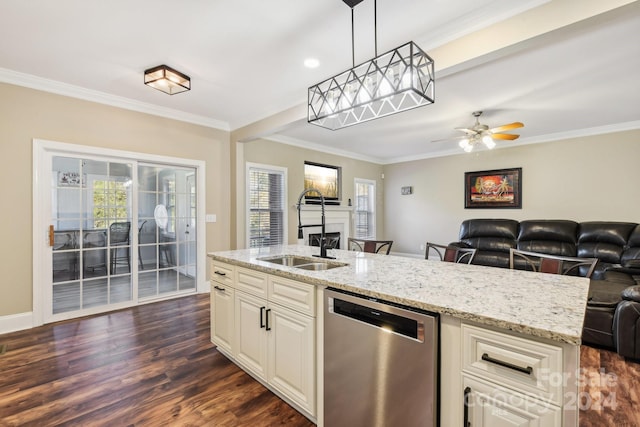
166	251
91	216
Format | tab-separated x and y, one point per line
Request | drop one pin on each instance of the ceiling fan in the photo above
481	133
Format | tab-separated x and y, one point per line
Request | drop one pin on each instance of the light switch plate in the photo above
210	218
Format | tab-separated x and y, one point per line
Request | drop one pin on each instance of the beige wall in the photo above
582	179
292	157
27	114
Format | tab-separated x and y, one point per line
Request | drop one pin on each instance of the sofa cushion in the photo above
631	256
489	234
606	293
554	237
604	240
491	259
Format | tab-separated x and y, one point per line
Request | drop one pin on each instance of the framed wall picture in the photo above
500	188
324	178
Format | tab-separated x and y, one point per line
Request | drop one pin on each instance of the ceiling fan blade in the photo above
453	138
467	131
504	136
510	126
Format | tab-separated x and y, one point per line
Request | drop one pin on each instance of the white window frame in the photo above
372	203
285	220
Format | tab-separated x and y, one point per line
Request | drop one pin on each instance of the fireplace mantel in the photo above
327	208
337	220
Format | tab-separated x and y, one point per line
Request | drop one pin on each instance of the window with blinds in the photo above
365	209
266	200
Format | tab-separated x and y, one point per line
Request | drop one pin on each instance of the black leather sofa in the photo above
612	318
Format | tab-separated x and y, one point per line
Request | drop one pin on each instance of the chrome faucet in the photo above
323	243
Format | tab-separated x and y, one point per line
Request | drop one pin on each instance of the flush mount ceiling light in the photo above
167	80
398	80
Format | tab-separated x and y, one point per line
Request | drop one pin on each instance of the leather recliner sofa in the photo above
612	318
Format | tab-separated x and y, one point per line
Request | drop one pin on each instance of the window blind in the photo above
266	207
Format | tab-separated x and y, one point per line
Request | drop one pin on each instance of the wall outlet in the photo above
423	247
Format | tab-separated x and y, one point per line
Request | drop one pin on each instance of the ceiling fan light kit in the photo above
481	133
398	80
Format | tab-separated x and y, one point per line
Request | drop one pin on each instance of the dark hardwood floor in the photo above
609	389
154	365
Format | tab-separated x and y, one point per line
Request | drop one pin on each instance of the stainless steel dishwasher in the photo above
380	363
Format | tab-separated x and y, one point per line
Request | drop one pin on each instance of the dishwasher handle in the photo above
390	322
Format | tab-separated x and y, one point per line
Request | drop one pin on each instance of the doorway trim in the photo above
42	149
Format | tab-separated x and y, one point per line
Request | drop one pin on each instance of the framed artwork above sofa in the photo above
500	188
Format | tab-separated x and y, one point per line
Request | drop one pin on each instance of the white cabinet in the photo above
489	405
272	332
291	355
510	380
222	306
250	333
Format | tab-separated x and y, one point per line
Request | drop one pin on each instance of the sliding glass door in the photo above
120	232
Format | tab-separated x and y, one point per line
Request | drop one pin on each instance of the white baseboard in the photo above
16	322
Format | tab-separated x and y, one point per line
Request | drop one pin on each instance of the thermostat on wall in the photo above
406	190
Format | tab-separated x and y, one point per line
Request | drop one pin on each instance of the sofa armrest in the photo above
632	293
626	327
631	271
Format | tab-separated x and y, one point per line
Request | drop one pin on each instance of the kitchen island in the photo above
509	340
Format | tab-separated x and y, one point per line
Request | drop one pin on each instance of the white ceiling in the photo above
245	59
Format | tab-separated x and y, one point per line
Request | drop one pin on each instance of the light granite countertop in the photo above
542	305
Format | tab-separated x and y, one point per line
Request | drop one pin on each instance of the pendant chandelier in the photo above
398	80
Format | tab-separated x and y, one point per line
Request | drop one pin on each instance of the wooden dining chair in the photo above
371	246
554	264
450	253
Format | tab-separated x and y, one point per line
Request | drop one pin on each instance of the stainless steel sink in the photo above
317	266
304	263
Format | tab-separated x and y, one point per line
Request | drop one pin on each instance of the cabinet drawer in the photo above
490	405
524	365
222	273
252	282
295	295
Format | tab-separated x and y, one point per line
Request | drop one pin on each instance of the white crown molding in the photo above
318	147
473	22
59	88
577	133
